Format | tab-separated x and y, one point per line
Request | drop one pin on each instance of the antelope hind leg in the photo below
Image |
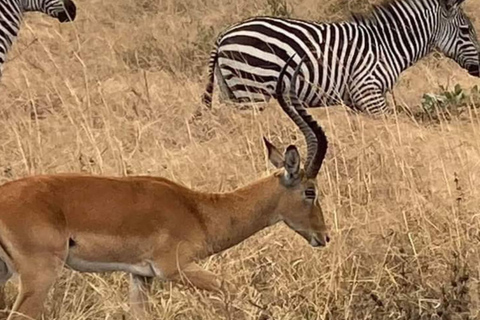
36	278
5	275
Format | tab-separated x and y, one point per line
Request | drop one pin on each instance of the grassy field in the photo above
115	93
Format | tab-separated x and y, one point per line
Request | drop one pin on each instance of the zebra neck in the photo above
405	31
32	5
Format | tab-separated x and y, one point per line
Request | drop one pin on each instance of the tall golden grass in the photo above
115	93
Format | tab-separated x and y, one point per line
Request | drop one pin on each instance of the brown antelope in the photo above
147	226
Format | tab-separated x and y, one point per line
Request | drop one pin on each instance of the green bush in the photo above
448	104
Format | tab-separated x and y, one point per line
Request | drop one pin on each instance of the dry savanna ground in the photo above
115	93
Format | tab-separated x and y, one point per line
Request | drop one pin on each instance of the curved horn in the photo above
321	146
307	131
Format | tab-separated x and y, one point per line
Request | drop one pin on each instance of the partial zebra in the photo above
11	14
355	62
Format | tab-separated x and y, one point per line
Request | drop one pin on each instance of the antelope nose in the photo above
327	238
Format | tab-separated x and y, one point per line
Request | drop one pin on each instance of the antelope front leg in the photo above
139	289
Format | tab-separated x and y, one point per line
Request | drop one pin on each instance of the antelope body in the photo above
147	226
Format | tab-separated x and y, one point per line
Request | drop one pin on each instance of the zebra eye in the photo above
310	193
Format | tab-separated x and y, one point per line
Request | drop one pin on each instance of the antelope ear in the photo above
275	156
292	161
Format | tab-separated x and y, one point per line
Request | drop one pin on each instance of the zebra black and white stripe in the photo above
11	14
355	62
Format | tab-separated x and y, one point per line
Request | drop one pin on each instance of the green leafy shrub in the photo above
448	104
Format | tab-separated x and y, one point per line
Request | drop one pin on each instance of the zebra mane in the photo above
370	17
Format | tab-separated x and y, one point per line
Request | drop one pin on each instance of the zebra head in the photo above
457	38
63	10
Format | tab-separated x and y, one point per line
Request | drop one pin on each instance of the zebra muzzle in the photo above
474	70
69	13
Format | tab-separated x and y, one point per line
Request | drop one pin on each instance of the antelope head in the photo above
299	206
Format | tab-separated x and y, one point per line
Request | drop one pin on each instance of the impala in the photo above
147	226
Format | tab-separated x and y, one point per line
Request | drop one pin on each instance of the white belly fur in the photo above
145	269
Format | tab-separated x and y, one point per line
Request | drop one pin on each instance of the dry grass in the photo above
114	93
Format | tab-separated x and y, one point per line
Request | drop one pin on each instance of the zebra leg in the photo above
372	102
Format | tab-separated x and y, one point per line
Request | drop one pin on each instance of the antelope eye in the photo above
310	193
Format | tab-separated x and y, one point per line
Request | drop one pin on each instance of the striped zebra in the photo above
11	14
354	62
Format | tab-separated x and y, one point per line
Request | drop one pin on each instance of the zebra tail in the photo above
208	94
